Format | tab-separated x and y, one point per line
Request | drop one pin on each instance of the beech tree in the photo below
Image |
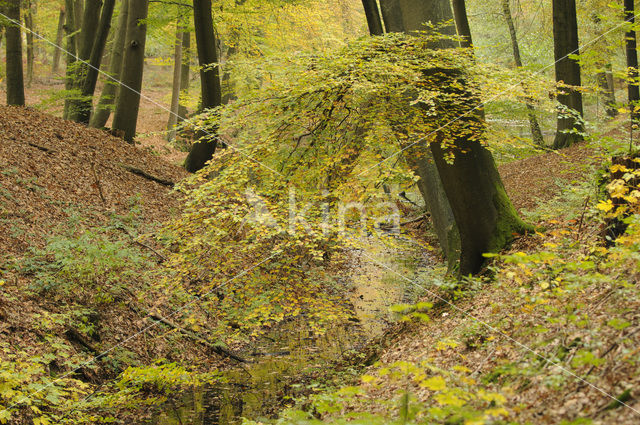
633	88
565	46
30	25
85	41
178	67
72	49
107	98
125	118
15	73
536	133
373	17
211	90
55	62
484	216
88	84
462	22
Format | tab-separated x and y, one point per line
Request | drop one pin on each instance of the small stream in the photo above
288	356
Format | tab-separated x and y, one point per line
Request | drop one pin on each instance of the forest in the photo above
299	212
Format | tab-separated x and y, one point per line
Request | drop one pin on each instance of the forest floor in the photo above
549	334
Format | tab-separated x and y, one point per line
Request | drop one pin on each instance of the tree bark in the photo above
55	63
536	133
177	80
419	157
29	23
128	103
107	99
15	76
95	59
206	43
471	186
462	23
185	73
86	41
633	89
374	20
71	47
565	43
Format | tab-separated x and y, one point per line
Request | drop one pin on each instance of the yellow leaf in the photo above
367	378
605	206
437	383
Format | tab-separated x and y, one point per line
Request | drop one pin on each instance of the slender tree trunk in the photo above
484	216
206	43
374	20
177	80
536	133
91	78
462	22
185	73
125	118
55	65
347	22
71	46
15	77
632	59
86	41
109	92
605	84
28	22
565	43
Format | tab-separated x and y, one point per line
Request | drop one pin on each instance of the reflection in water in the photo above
287	355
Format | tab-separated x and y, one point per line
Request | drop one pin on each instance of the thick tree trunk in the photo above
206	42
374	20
91	77
185	73
107	98
471	186
71	47
536	133
565	43
15	76
632	59
420	157
462	22
128	104
177	80
55	63
28	22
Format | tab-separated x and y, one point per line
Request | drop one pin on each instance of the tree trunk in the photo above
374	20
86	40
185	74
71	47
565	43
28	22
605	84
536	133
128	103
632	59
206	43
15	77
419	157
97	52
107	98
177	80
471	186
55	65
462	23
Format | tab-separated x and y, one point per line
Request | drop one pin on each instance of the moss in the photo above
508	222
